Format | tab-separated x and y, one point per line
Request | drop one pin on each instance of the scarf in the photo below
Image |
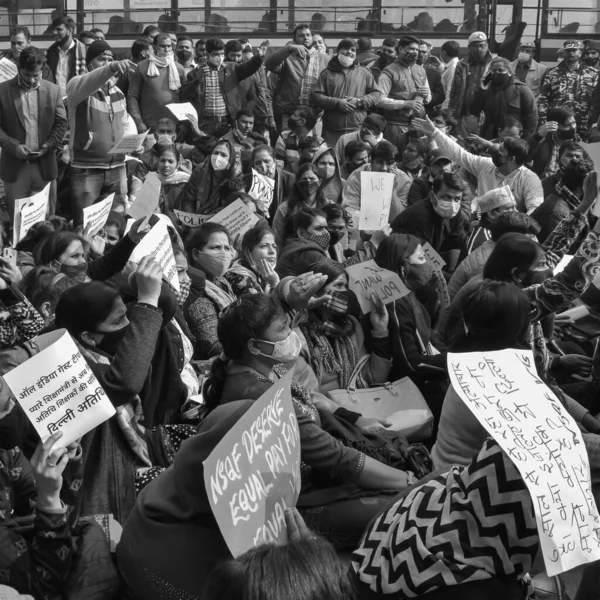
498	105
162	62
183	293
311	74
217	294
241	275
446	532
174	179
568	196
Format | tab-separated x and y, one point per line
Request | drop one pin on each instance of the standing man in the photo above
468	77
97	115
32	125
529	71
150	33
387	54
570	85
434	77
234	52
200	52
591	54
365	52
20	38
298	66
185	53
450	50
301	125
404	89
66	57
98	34
370	133
156	83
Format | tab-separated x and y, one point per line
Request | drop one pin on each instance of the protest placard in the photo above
190	219
262	190
237	218
504	392
97	214
146	202
593	151
375	200
32	202
367	278
58	391
181	110
8	70
253	474
433	258
157	243
128	143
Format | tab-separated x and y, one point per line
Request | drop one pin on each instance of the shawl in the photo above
174	179
244	280
156	62
470	524
310	77
218	295
332	188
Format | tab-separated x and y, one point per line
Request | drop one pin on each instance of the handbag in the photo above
401	403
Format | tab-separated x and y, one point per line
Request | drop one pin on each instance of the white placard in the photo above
20	203
128	143
58	391
32	210
190	219
157	243
504	392
237	218
97	214
181	110
262	190
375	200
8	70
146	202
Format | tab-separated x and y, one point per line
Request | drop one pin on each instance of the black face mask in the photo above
111	340
335	237
566	134
184	54
419	276
386	59
499	78
573	174
591	62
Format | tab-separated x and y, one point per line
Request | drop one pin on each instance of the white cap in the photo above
496	198
477	36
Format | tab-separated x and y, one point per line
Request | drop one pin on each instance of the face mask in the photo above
164	53
287	350
214	264
446	209
218	163
184	291
184	54
335	237
321	240
78	272
419	276
338	303
326	172
345	61
308	187
111	340
499	78
566	134
524	57
498	159
216	61
573	174
386	59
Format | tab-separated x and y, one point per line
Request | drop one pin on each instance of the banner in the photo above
375	200
504	392
58	391
181	110
97	214
146	202
128	143
29	211
190	219
253	475
262	190
237	218
367	278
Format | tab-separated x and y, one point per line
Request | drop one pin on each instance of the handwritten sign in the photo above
375	200
58	391
237	218
182	110
262	190
97	214
504	392
433	258
253	474
8	70
367	278
128	143
190	219
157	243
146	202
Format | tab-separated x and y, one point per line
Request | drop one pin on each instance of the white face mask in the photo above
286	350
524	57
218	162
216	61
345	61
446	209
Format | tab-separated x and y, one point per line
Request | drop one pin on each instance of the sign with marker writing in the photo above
253	475
262	190
367	278
375	200
237	218
97	214
190	219
8	70
433	258
504	392
128	143
58	391
28	212
146	202
182	110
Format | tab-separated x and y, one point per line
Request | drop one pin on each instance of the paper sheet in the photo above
28	212
146	202
181	110
128	143
262	190
97	214
375	200
8	70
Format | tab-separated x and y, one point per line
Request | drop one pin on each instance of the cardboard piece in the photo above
181	110
8	70
97	214
58	391
146	202
433	258
262	190
253	474
128	143
237	218
375	200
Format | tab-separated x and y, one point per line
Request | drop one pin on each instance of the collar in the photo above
452	61
71	46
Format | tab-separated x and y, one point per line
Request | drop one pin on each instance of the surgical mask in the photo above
308	187
184	291
338	302
321	240
219	163
184	54
345	61
523	57
216	61
286	350
111	340
326	172
78	272
213	264
499	78
446	209
419	276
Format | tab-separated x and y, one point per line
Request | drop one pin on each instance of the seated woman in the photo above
254	272
328	169
114	229
209	251
172	181
336	340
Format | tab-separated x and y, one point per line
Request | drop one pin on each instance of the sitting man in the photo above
413	158
301	123
356	155
370	133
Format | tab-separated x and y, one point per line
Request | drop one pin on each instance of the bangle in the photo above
410	478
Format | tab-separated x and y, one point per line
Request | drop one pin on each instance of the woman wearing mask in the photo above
200	194
254	272
172	182
209	250
307	193
505	96
328	169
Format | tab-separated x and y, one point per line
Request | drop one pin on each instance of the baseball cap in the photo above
573	44
435	155
496	198
477	36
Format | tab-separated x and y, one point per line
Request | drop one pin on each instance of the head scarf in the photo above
332	188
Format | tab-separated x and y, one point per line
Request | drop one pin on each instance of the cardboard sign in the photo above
433	258
157	243
58	391
253	474
182	110
262	190
8	70
237	218
367	278
593	151
128	143
33	201
504	392
146	202
190	219
97	214
375	200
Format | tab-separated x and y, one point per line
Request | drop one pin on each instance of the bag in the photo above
401	403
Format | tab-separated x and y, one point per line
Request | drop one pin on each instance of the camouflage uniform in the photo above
571	89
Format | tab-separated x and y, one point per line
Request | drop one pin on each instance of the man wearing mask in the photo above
544	145
591	54
387	54
571	85
434	75
468	75
156	83
97	117
356	155
185	53
450	50
529	71
370	133
301	123
404	89
32	125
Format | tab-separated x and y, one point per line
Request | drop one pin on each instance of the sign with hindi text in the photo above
8	70
375	200
28	212
96	215
237	218
262	190
129	143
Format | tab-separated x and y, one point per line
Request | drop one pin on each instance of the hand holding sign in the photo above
48	465
262	190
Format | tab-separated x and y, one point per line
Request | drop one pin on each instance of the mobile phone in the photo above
10	255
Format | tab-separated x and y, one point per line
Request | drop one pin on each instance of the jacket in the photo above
96	123
534	77
230	78
434	78
52	125
299	256
335	84
458	91
472	265
77	63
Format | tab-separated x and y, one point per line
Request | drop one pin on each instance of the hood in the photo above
233	166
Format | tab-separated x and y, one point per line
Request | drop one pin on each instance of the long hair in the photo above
52	246
512	251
